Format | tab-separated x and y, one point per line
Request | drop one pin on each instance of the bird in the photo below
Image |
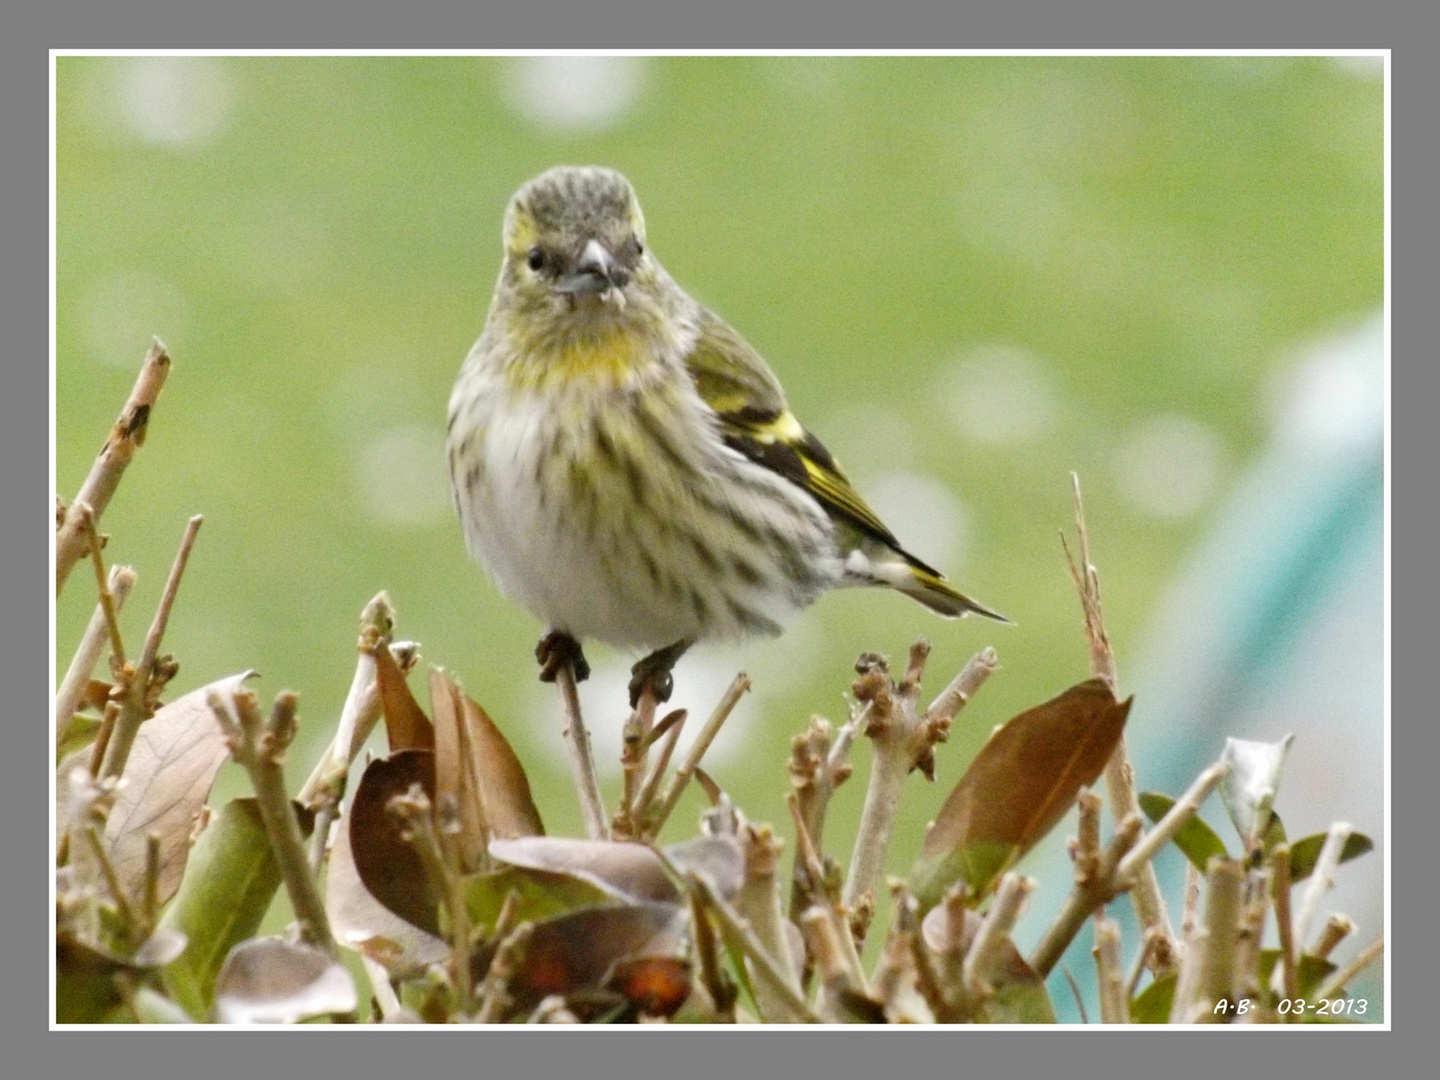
626	466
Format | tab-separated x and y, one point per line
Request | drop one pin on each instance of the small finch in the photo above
624	464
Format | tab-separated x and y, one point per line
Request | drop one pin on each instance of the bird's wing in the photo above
755	421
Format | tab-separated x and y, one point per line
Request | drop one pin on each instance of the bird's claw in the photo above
653	673
558	649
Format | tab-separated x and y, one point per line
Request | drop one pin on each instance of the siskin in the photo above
625	465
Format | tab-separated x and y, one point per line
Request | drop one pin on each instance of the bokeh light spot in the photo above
1167	466
574	92
175	100
999	395
402	477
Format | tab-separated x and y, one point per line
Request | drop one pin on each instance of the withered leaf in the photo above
168	777
455	774
578	951
270	981
620	868
1018	788
229	881
718	859
362	923
406	725
387	863
510	810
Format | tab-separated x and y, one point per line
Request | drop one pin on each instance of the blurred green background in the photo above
973	275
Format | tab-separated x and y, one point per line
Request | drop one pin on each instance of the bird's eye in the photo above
639	247
536	258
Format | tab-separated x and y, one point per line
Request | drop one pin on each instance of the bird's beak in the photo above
596	271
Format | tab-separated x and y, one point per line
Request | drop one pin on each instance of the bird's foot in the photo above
653	673
558	649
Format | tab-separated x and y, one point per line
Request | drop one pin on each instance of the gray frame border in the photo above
1100	25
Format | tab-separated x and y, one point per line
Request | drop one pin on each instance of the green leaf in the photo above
1305	853
1312	971
1196	840
539	894
1019	999
1152	1005
230	878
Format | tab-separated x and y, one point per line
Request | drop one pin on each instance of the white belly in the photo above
580	518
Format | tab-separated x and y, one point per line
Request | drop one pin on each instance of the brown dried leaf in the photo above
97	693
455	776
622	869
167	779
386	863
510	810
1019	786
362	923
406	725
270	981
581	950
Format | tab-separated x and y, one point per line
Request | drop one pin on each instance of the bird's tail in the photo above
932	590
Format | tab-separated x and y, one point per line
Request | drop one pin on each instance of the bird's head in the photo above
575	248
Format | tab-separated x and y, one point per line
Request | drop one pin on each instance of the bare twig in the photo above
904	739
1254	907
1285	923
1215	959
1113	1007
667	734
150	891
740	935
582	761
92	643
95	546
125	438
1338	980
137	702
722	992
128	915
1092	888
259	746
994	932
759	903
362	709
687	767
1321	880
1166	828
494	991
835	911
1145	893
1190	918
817	766
1337	928
385	996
